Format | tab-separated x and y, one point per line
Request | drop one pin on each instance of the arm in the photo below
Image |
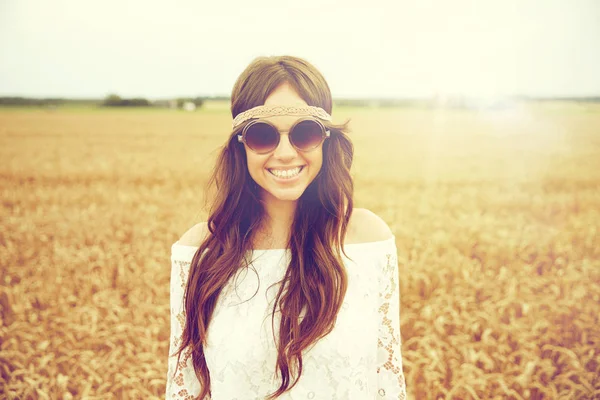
366	226
184	384
391	384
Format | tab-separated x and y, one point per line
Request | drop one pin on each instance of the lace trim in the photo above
185	384
389	331
184	267
268	111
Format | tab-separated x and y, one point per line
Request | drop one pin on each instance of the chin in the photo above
286	195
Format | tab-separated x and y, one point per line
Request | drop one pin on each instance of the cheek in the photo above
316	160
255	164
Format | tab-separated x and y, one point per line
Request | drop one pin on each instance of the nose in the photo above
285	151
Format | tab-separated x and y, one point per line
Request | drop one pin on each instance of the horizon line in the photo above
335	98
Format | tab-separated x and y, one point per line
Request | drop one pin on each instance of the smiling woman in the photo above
284	208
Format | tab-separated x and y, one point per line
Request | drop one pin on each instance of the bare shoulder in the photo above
195	235
366	226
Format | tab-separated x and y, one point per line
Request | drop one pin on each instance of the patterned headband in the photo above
268	111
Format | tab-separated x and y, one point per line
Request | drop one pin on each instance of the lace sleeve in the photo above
390	382
185	384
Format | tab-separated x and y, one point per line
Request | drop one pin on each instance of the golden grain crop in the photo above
496	216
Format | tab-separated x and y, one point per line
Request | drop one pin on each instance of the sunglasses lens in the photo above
262	137
307	135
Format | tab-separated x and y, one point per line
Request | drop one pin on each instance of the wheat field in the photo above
496	216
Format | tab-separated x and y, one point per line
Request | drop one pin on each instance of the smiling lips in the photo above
286	173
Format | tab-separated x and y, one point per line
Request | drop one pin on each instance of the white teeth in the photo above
285	173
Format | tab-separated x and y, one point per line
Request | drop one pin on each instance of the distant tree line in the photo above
26	101
45	102
590	99
198	101
114	100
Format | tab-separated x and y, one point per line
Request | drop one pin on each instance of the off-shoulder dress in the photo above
359	359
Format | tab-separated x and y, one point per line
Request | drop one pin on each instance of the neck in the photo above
276	226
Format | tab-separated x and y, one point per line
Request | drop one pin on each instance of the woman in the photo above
283	242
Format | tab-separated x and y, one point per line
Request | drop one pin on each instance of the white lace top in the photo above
359	359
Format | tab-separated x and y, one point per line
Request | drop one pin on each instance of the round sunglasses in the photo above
263	137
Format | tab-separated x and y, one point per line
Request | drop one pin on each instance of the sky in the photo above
375	48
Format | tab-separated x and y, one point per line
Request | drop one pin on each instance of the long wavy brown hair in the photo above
315	281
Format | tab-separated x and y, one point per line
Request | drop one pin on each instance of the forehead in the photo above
284	95
283	122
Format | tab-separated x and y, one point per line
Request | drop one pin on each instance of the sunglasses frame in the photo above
325	133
